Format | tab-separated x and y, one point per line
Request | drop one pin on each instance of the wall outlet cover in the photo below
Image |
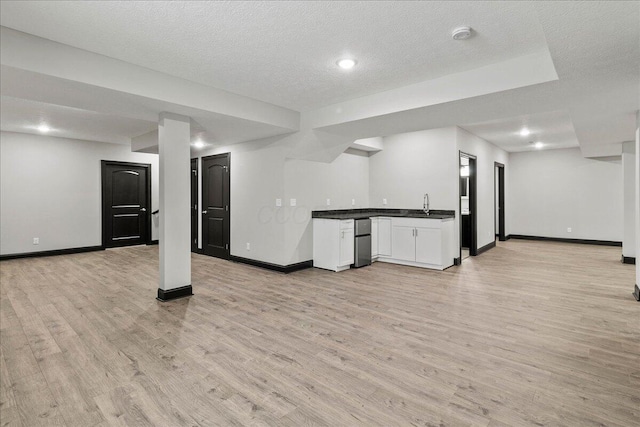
292	202
569	230
384	202
248	246
328	202
278	202
353	202
36	240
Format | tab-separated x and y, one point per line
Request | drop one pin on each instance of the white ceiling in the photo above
285	52
553	129
21	115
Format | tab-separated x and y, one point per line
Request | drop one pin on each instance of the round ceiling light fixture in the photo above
525	132
538	145
43	128
461	33
346	63
198	144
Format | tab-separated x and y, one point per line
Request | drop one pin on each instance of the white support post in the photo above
636	289
174	136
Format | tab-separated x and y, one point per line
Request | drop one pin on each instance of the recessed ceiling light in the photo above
198	144
461	33
43	128
525	132
346	63
538	145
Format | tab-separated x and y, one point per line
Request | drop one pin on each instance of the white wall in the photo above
342	181
51	188
486	155
551	190
628	182
412	164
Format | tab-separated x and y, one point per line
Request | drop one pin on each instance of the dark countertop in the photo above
368	213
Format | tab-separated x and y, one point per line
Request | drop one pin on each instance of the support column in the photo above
629	202
636	290
174	135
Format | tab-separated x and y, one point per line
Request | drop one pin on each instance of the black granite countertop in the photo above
373	212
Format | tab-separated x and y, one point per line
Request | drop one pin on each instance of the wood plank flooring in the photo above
529	333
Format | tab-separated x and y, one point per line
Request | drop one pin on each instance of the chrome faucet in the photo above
425	203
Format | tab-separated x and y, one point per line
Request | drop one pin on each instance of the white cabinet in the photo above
428	249
421	242
384	237
403	246
374	238
333	243
346	246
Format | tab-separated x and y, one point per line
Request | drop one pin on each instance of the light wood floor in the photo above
529	333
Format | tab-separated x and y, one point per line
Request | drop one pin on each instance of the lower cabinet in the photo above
347	246
384	237
333	243
403	245
421	242
428	248
374	238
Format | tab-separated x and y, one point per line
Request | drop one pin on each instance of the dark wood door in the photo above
501	228
194	205
215	205
126	191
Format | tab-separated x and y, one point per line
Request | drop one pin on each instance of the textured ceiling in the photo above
20	115
285	52
553	129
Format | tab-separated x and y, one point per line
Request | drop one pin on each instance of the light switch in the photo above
278	202
292	202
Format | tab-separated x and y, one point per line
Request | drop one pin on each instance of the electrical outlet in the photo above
278	202
353	202
328	202
248	246
36	240
569	230
384	202
292	202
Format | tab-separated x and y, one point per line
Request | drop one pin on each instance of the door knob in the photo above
143	209
204	212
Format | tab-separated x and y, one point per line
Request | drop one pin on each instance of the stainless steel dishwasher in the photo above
362	247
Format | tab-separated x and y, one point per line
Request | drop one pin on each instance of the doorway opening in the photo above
468	206
126	203
216	208
499	202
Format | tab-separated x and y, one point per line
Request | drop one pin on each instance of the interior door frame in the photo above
202	192
195	243
500	196
473	246
103	173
